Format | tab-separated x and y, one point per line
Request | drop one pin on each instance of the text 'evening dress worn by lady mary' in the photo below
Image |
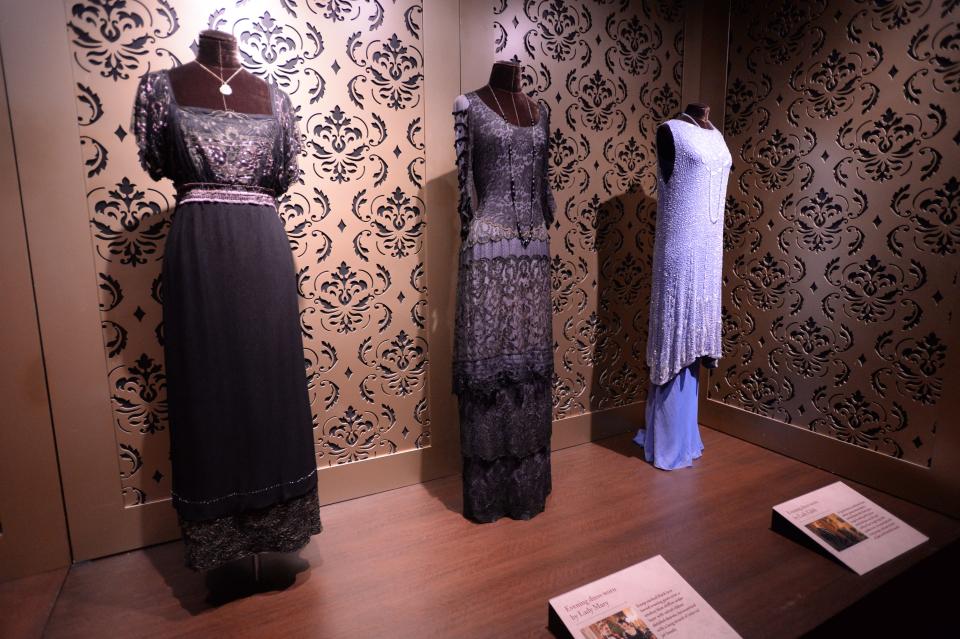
241	441
685	297
503	351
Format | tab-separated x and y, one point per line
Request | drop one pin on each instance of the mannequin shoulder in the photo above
461	103
665	131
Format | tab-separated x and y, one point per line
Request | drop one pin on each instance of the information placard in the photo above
645	601
849	526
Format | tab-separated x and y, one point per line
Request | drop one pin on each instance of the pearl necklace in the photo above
715	167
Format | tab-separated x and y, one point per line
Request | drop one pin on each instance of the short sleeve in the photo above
289	169
463	145
548	203
150	122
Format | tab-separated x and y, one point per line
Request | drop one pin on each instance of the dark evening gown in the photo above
503	352
241	438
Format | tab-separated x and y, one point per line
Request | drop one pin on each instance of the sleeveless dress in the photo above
503	350
241	433
685	297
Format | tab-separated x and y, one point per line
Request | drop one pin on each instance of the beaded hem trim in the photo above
226	195
246	492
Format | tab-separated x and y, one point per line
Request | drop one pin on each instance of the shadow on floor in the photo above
622	444
448	491
200	591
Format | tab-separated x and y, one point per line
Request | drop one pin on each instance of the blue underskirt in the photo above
671	437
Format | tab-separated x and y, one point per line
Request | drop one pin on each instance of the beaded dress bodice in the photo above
199	145
505	194
688	252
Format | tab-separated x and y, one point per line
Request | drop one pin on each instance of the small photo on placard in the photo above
836	532
625	624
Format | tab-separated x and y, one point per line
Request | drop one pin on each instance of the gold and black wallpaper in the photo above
842	229
355	220
609	71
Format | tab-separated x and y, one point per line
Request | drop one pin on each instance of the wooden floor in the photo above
405	563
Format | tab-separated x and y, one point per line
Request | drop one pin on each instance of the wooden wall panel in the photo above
33	531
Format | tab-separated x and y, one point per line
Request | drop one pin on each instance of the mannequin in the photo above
194	86
665	149
244	471
503	344
503	92
693	169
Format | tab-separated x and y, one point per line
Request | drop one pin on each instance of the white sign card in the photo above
649	600
850	527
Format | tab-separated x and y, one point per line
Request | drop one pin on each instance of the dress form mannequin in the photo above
194	86
693	164
503	95
503	343
665	148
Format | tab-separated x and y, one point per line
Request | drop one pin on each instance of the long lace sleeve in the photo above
463	146
549	204
149	123
288	170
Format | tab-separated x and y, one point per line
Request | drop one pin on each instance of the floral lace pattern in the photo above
503	350
285	527
482	419
502	171
503	333
515	487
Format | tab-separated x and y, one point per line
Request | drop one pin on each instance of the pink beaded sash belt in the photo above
225	194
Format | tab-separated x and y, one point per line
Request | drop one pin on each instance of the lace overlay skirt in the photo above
503	368
286	527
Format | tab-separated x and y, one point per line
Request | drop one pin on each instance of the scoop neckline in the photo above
187	107
505	121
697	126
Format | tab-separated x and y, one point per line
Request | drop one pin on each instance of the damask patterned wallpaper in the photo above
609	71
842	227
354	71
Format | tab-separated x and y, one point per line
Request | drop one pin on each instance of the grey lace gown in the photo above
503	352
241	439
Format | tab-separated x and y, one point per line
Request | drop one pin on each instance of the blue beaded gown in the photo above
503	349
685	296
241	436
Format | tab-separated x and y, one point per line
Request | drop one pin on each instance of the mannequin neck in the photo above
699	112
218	49
505	76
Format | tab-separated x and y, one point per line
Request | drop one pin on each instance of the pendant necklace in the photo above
524	239
225	88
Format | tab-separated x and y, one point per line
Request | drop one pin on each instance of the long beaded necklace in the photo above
714	168
225	88
524	237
